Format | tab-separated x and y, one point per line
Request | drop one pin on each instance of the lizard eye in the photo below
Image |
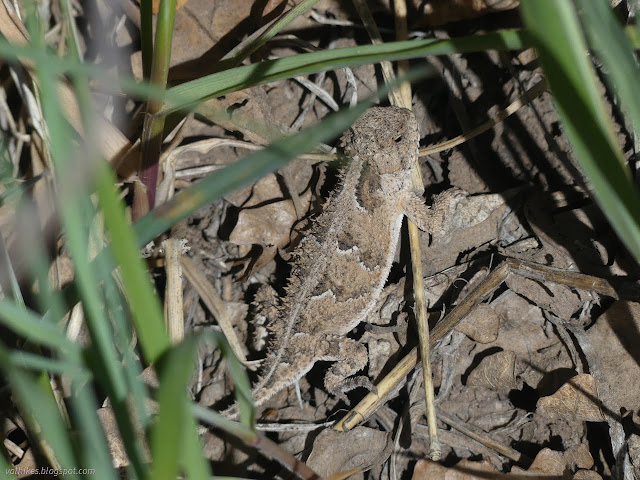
398	139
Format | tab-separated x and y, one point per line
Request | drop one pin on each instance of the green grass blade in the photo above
162	45
262	36
217	84
151	140
92	298
43	419
193	462
10	189
105	80
10	276
132	368
563	54
239	430
242	388
613	48
28	360
31	326
71	30
34	398
91	441
249	169
77	213
174	430
168	434
146	311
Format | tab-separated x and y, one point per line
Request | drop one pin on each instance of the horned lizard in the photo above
342	265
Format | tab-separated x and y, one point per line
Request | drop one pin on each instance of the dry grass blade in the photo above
480	438
174	317
215	304
534	92
369	23
401	97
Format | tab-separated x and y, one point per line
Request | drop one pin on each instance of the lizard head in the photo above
384	137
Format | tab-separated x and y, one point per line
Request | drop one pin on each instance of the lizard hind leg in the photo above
351	356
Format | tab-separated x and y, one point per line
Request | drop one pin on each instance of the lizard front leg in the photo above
432	219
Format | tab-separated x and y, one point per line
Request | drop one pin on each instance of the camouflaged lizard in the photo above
341	266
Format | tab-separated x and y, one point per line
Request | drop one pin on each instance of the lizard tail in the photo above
278	378
257	392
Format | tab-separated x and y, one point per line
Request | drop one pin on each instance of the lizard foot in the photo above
352	358
348	384
356	382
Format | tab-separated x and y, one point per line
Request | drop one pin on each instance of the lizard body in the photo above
341	267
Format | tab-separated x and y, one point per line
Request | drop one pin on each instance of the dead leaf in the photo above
614	362
270	189
558	464
576	399
614	340
586	475
496	372
248	112
269	225
481	325
212	393
464	470
379	352
344	475
428	470
204	31
550	462
522	331
563	301
361	448
265	189
262	221
578	456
